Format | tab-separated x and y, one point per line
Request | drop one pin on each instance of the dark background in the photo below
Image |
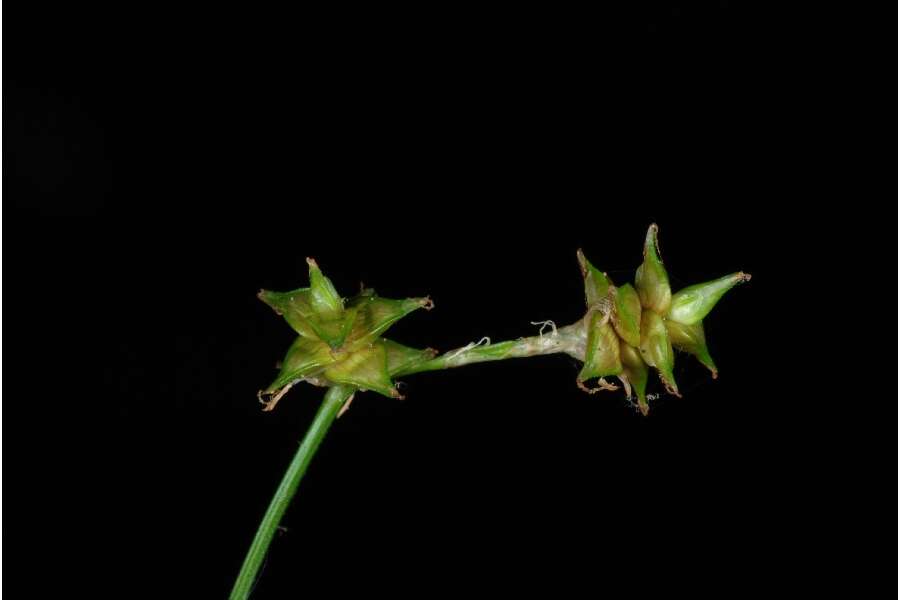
156	176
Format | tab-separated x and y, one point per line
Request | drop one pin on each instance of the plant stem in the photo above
331	405
570	340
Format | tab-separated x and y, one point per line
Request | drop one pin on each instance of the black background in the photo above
155	177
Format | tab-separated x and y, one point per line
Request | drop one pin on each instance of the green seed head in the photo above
631	329
340	341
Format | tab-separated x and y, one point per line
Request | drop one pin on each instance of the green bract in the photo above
340	341
630	329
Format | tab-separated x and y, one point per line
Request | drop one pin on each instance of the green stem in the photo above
570	340
331	405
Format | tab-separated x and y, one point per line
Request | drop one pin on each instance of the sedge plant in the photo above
627	332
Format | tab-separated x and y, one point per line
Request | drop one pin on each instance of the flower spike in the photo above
340	342
647	321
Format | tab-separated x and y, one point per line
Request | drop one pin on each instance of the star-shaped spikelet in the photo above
633	328
340	341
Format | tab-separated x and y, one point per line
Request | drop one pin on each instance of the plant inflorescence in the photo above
627	331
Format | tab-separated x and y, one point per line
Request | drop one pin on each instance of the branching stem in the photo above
569	340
